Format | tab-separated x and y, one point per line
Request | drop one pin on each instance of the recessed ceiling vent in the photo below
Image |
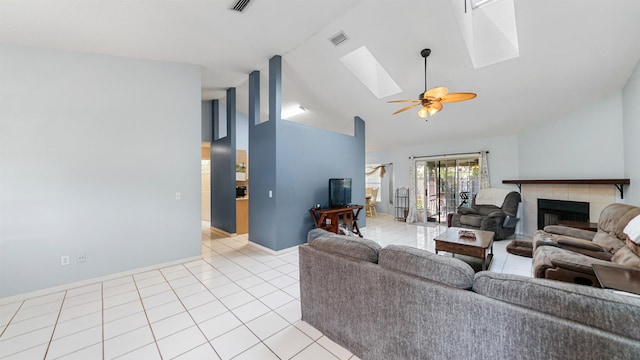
338	38
240	5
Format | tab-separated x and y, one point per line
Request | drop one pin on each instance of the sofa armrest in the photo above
579	246
569	231
576	262
466	211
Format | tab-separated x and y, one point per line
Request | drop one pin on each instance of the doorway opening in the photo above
444	184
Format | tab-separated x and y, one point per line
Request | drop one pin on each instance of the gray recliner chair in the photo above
489	216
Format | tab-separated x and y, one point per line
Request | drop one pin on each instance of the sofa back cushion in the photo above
615	217
599	308
625	220
427	265
353	247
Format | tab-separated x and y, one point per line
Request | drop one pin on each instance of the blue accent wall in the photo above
262	170
223	167
295	162
307	158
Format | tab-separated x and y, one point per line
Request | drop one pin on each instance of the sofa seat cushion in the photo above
353	247
427	265
471	220
582	304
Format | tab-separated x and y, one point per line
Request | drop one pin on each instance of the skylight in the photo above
489	30
369	71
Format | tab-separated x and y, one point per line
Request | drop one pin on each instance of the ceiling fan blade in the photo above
461	96
436	93
406	108
398	101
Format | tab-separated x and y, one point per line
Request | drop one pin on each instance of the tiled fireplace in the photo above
597	197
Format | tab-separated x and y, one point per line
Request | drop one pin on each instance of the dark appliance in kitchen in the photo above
241	191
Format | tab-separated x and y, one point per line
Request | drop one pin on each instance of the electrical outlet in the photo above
64	260
178	195
82	257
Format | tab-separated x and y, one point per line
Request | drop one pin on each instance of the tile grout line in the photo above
102	315
56	325
12	317
144	309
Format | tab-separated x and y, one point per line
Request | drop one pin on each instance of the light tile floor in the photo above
237	302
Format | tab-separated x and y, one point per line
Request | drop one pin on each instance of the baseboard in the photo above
68	286
222	232
274	252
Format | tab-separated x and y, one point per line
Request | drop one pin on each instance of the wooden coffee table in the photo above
450	241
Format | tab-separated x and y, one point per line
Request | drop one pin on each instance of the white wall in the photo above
585	144
631	125
503	157
92	152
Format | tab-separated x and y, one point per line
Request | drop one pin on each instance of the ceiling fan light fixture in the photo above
423	112
432	111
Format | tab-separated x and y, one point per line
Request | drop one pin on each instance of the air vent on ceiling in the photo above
240	5
338	38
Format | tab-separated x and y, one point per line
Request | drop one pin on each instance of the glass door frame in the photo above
441	181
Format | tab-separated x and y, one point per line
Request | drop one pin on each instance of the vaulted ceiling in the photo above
572	53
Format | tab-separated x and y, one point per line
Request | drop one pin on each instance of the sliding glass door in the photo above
444	184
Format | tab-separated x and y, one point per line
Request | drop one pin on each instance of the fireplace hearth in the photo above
550	212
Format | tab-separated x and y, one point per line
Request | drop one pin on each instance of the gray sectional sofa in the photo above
405	303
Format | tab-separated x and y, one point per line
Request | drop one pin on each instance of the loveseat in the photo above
491	210
405	303
567	254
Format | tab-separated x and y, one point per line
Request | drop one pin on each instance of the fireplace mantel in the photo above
619	183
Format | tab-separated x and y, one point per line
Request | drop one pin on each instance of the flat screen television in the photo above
339	192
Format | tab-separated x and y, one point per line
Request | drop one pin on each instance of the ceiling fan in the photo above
432	99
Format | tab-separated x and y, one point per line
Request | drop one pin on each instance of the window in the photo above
373	179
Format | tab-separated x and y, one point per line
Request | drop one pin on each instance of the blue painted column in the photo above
223	168
262	165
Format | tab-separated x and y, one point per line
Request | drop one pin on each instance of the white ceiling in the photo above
572	52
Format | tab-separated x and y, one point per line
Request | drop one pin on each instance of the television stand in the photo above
329	219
